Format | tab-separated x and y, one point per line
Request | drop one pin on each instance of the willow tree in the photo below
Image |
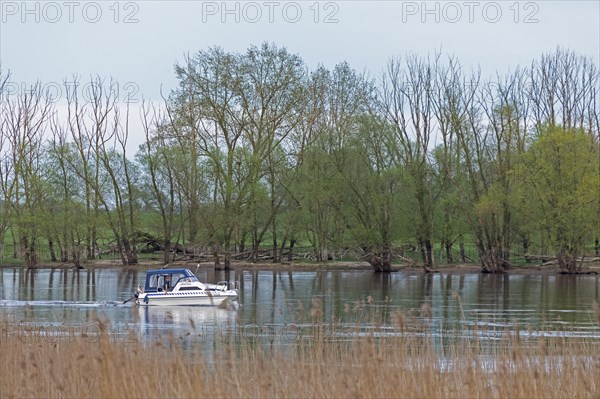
7	183
452	100
505	131
23	126
67	225
272	96
84	165
236	110
408	106
335	101
372	184
100	133
563	91
158	159
208	119
560	173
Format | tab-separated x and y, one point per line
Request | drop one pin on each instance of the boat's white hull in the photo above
213	298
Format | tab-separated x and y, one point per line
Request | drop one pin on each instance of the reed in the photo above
405	365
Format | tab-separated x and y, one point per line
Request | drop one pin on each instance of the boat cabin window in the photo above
152	282
158	281
191	288
162	282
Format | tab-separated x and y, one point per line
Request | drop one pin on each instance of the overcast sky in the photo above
138	42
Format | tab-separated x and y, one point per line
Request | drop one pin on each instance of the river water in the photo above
282	307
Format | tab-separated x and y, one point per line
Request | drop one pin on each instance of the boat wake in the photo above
83	304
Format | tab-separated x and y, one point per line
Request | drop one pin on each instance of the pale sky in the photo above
138	42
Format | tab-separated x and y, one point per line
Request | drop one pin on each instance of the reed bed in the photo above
404	365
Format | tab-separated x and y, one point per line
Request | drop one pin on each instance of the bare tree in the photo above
100	134
563	89
506	116
23	128
7	183
160	168
86	165
67	226
452	96
407	104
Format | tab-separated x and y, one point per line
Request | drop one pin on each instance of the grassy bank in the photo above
402	366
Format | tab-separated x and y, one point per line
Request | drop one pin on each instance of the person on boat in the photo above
167	282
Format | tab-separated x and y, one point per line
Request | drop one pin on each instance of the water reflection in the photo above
276	300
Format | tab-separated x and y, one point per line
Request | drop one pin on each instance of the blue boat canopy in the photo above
165	279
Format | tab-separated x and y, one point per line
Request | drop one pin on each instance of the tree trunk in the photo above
29	254
380	258
51	249
275	249
64	254
525	242
482	256
242	247
426	253
429	251
76	254
227	261
216	259
567	260
166	251
254	255
15	246
461	246
282	248
132	256
290	256
449	258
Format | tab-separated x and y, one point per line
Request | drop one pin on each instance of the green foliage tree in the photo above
373	191
560	174
24	123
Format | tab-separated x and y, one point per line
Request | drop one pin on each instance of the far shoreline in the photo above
592	268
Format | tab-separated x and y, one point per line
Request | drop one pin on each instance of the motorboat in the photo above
181	287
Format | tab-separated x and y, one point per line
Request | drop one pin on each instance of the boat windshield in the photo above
166	281
178	278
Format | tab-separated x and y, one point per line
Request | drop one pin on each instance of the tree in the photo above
372	184
272	97
335	101
207	118
560	172
505	111
237	110
156	156
408	106
100	135
66	222
24	123
7	183
452	99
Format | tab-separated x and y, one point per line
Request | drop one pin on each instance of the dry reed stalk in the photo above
407	365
